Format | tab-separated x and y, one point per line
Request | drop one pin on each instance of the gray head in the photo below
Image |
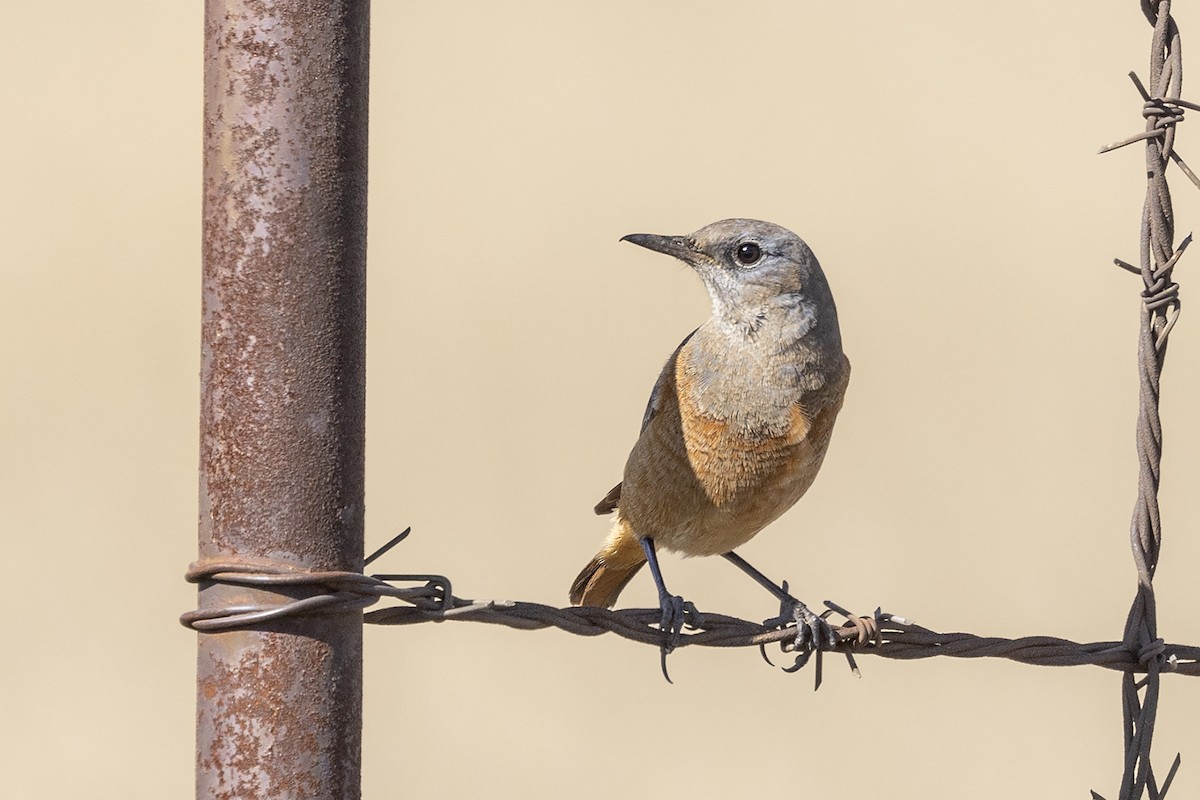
754	271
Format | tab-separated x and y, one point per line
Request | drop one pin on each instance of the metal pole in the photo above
279	707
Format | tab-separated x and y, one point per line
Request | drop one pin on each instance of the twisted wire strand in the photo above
898	638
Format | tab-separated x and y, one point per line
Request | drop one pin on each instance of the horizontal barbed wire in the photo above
898	638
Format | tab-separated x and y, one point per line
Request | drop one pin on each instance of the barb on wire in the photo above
1162	115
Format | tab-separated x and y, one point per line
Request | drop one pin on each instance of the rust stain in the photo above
266	734
284	289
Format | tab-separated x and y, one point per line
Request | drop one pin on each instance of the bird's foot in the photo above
677	613
814	634
813	631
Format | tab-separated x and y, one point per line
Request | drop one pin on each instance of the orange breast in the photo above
705	486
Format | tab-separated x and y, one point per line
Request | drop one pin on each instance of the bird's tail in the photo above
610	570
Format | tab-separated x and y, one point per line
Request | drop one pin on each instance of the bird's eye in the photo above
748	253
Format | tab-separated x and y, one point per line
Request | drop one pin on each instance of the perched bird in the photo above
739	420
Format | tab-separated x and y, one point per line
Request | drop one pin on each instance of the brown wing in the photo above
613	498
609	503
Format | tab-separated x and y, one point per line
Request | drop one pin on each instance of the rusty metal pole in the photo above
279	707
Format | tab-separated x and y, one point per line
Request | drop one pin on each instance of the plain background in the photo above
941	161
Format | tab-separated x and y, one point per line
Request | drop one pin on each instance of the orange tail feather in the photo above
601	581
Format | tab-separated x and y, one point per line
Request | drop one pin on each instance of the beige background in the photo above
940	159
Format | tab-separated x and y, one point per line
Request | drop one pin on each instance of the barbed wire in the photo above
897	637
881	634
1163	110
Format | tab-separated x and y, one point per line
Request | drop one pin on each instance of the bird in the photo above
738	422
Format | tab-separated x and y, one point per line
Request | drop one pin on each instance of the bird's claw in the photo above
677	613
814	634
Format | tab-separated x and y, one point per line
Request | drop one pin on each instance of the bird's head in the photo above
753	270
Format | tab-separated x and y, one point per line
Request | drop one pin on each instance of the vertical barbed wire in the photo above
1160	309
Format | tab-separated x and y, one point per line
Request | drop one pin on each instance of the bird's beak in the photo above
679	246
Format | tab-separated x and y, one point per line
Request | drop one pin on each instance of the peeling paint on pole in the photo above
279	708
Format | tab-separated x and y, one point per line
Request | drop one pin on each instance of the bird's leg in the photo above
675	610
813	631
